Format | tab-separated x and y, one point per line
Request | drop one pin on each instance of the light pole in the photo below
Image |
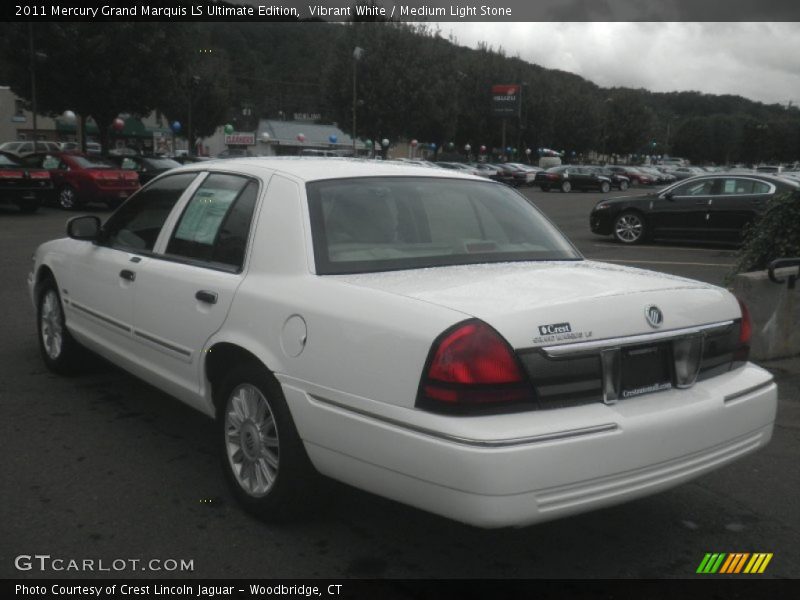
358	52
193	83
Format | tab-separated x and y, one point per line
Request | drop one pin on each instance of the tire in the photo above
67	197
630	228
605	187
60	352
623	185
265	463
566	187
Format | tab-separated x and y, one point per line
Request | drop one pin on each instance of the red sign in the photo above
238	138
506	100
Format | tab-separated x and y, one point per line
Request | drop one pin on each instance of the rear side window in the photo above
138	222
215	224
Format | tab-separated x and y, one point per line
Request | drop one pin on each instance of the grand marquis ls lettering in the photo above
381	324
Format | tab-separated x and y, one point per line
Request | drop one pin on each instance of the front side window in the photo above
215	224
136	225
694	188
373	224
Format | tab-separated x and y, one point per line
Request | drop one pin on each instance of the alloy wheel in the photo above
52	328
251	440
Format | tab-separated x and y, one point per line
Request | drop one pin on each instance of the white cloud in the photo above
755	60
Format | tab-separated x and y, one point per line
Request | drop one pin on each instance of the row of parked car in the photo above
71	179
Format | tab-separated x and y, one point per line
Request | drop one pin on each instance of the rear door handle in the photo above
206	296
127	274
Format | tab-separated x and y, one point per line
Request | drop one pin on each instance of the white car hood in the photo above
597	300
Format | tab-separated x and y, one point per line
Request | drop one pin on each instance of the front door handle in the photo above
206	296
127	274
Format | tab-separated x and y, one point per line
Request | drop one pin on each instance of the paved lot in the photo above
103	466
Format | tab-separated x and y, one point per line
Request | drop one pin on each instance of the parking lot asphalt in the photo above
104	466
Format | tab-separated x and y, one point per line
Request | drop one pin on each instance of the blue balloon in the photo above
176	126
508	149
433	146
332	139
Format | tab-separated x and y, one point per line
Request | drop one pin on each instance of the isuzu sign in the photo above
506	100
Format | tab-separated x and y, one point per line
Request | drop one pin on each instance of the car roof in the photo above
316	169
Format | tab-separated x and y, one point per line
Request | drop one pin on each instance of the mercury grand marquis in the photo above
427	336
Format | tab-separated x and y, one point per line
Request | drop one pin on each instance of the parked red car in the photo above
80	179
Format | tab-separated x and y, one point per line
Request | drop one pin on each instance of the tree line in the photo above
412	83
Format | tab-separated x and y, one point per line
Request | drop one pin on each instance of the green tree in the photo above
96	71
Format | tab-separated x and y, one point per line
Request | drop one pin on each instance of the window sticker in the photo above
204	215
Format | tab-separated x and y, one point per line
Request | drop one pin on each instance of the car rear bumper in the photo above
570	461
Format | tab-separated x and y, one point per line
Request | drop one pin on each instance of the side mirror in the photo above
84	228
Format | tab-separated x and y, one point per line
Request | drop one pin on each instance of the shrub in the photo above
775	234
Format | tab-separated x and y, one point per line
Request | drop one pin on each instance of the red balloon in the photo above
301	137
414	143
118	124
483	148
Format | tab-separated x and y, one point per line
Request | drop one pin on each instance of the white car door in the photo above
102	278
184	292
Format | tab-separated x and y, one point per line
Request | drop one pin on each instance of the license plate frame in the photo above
645	369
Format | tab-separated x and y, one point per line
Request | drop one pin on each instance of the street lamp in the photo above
193	83
358	52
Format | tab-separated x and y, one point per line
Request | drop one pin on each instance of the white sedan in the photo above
424	335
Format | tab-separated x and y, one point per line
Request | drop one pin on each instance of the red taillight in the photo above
471	365
745	333
11	174
131	176
39	174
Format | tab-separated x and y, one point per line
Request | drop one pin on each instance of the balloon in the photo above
176	126
368	143
414	143
432	146
483	148
332	139
467	148
229	129
450	145
508	149
572	153
265	136
385	143
69	115
118	124
528	151
301	137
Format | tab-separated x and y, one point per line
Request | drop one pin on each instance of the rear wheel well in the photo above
223	357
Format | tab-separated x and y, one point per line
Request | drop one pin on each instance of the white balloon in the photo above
69	115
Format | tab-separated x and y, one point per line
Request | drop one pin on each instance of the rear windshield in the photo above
374	224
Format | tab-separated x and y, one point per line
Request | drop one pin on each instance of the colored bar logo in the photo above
734	563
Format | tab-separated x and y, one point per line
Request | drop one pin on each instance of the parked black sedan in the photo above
618	180
710	208
570	177
148	167
23	186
